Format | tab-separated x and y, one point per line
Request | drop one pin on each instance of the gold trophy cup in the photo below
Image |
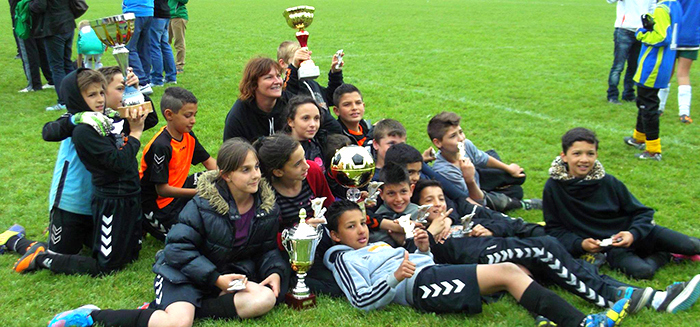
300	17
115	32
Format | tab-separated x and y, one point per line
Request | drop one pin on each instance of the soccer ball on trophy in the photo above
353	167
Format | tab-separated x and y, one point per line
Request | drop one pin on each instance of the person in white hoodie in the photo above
375	275
629	13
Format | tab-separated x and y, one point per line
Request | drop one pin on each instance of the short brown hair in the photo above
254	69
388	127
286	50
438	125
87	77
109	72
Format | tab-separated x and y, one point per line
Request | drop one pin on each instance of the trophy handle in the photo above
285	241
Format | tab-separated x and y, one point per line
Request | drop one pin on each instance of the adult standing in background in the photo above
33	55
688	43
629	13
138	46
53	22
178	25
161	53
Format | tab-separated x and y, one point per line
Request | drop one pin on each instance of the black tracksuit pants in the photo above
544	256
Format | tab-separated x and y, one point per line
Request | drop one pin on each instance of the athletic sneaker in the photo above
639	297
26	89
146	89
614	101
57	107
596	259
79	317
541	321
631	141
685	119
171	82
48	86
27	262
610	318
681	295
532	204
646	155
12	231
681	257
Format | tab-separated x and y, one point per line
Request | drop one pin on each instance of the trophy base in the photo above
147	108
308	70
300	304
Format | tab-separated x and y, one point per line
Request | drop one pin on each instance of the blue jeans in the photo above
139	54
59	49
161	53
626	50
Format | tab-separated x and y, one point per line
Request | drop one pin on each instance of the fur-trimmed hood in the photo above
560	171
206	189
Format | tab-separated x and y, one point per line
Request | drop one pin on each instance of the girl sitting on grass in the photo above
227	232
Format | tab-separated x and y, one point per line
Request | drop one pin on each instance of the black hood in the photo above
70	92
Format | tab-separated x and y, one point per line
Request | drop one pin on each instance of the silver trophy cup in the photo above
300	242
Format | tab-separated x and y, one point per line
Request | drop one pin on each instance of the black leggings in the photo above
647	255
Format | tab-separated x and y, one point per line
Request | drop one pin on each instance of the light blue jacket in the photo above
71	184
140	8
366	275
689	34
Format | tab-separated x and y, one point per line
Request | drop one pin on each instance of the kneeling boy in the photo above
166	161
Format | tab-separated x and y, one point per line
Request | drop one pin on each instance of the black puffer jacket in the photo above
199	248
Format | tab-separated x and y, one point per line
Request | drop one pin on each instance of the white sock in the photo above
684	96
663	96
659	298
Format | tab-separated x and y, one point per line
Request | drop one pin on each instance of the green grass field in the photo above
519	72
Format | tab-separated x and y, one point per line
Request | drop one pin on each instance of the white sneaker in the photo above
26	89
47	86
56	107
171	82
146	89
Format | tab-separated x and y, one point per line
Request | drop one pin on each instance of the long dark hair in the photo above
232	154
274	152
290	112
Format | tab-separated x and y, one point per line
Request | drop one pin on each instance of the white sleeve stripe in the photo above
360	300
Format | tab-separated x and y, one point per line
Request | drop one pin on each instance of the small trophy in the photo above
373	191
422	214
300	242
115	32
462	150
407	224
319	210
300	17
467	225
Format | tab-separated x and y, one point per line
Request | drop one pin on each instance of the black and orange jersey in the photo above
167	160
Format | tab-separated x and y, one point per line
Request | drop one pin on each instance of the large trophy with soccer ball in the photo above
115	32
353	167
300	17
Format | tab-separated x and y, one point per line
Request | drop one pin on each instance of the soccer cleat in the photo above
12	231
56	107
146	89
681	257
639	298
532	204
632	142
27	262
541	321
681	295
48	86
610	318
79	317
646	155
596	259
685	119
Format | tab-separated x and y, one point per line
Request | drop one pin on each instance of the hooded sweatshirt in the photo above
111	159
597	206
71	185
248	121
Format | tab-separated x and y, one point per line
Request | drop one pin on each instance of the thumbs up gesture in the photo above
406	269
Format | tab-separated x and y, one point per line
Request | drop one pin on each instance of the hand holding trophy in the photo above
300	17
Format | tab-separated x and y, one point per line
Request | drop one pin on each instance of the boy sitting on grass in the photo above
350	109
461	162
583	206
375	275
165	165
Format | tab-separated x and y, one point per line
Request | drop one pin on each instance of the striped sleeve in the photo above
358	288
658	36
